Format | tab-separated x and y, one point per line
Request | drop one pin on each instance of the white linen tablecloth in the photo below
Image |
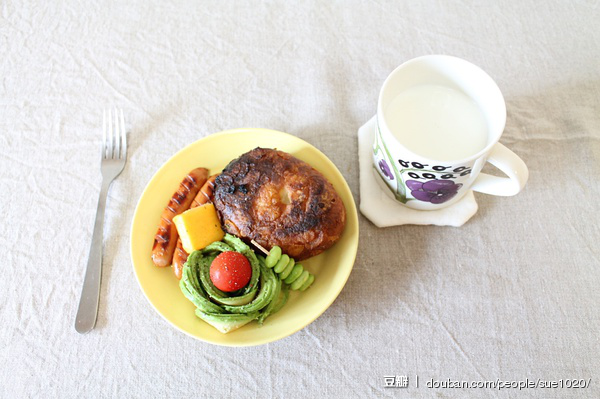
510	296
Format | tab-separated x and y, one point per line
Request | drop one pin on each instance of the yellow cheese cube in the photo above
198	227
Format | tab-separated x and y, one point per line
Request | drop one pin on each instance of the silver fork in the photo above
114	155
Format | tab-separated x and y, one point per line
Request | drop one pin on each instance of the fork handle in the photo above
90	293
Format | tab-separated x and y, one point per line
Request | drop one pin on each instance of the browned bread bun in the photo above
276	199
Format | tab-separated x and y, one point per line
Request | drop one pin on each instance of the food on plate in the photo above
263	295
204	195
198	227
273	198
166	236
206	192
289	271
230	271
266	197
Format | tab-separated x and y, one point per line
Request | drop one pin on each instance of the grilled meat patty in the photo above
276	199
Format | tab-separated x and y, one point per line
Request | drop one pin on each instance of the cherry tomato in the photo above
230	271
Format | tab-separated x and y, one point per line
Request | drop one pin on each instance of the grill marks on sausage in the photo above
166	236
206	193
204	196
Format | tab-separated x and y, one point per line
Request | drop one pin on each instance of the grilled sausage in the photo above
204	196
166	236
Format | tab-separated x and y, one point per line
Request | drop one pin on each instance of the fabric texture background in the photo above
512	294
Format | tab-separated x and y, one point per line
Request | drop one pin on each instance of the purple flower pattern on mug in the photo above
433	191
385	169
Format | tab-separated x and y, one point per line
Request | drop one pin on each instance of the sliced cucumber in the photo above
294	274
273	258
300	280
281	264
288	269
307	283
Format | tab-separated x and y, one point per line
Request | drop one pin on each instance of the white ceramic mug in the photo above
439	119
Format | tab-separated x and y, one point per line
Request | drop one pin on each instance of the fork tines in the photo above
114	141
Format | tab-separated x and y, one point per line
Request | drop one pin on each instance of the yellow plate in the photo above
214	152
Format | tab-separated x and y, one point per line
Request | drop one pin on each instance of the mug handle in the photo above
509	163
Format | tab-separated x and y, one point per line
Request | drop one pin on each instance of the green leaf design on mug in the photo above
400	192
398	196
376	147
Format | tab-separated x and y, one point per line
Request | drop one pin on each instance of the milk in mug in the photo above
437	122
